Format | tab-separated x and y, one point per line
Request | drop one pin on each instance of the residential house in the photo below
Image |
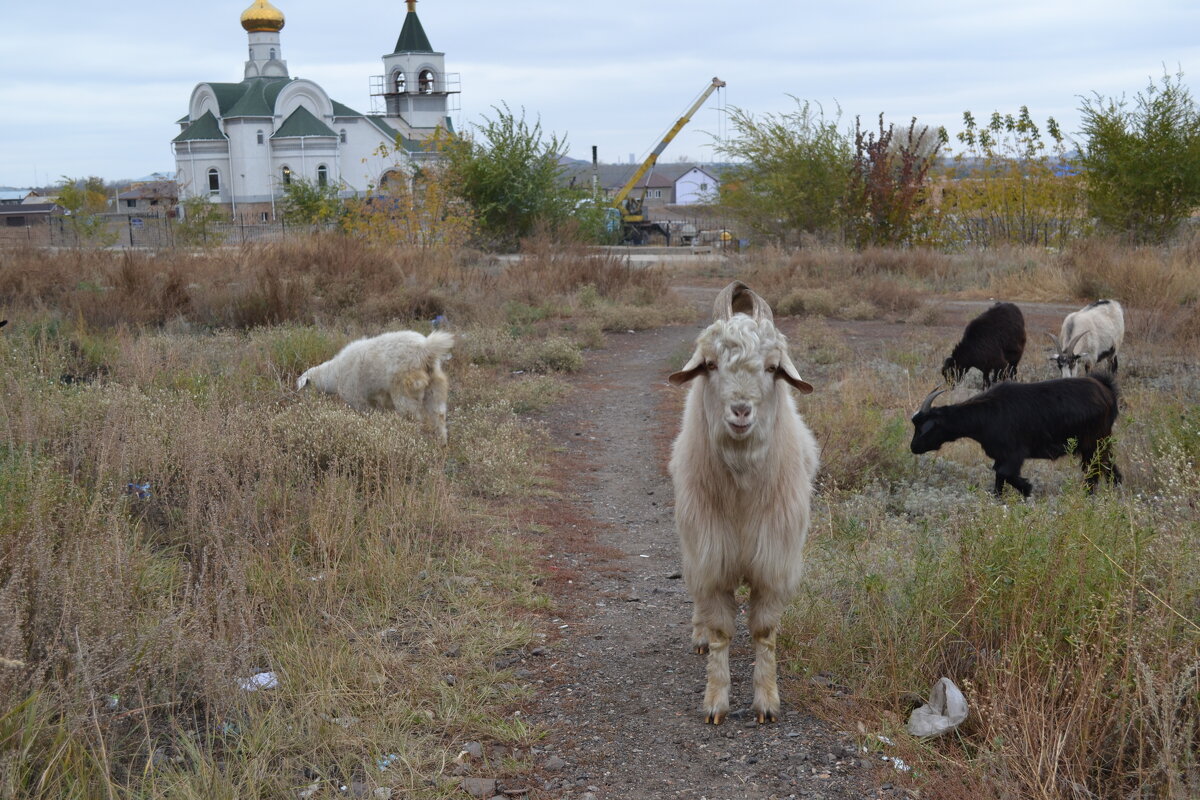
664	184
156	198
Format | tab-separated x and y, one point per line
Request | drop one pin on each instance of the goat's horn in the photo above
1057	344
723	304
928	402
1071	347
738	298
761	310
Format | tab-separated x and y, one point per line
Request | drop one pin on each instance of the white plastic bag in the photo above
945	711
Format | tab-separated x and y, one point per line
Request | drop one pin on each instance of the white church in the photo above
242	143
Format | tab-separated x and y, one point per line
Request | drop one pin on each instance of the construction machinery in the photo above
635	228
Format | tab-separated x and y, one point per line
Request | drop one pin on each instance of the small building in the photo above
664	185
149	199
28	222
15	197
696	186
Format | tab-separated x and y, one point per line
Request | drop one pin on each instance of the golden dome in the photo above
262	16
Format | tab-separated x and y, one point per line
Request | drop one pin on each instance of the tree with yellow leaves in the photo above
1011	185
412	205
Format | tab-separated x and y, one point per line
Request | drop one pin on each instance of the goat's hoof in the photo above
715	718
767	716
701	649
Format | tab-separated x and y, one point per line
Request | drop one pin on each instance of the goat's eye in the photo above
772	367
710	365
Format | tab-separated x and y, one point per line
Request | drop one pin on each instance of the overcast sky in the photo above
94	88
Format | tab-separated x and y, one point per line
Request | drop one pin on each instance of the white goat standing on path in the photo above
742	466
400	371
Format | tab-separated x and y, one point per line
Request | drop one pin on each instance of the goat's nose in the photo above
741	410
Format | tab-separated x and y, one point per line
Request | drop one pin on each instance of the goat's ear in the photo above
691	369
787	371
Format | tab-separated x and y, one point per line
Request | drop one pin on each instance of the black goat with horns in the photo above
1016	421
992	343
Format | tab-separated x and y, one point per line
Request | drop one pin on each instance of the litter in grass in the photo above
263	680
945	711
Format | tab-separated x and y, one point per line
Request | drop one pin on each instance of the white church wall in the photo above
250	161
303	92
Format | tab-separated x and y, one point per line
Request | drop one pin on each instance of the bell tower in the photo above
415	86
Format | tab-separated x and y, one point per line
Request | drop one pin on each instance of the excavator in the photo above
635	228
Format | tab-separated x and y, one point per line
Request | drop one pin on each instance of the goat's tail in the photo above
438	345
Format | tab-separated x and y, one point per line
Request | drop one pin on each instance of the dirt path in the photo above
622	694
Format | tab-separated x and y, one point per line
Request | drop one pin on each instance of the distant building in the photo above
241	143
15	197
696	186
149	199
27	222
665	185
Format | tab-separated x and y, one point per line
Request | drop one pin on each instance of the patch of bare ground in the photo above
620	688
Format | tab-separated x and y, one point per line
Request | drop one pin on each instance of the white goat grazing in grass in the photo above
400	371
1090	335
743	466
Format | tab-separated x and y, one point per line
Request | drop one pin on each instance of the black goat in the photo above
1016	421
993	343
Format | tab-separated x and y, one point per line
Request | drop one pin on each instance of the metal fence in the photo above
155	233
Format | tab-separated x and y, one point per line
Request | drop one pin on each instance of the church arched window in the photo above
260	137
398	82
214	181
272	53
425	83
322	176
286	175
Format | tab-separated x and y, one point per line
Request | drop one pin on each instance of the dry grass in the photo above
378	576
279	532
384	584
1072	623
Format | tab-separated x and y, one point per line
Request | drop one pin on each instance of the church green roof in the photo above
412	36
204	128
343	110
255	97
302	122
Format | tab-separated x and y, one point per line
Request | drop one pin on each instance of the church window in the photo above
260	137
342	136
398	82
131	203
263	216
287	176
426	81
272	53
214	181
322	176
